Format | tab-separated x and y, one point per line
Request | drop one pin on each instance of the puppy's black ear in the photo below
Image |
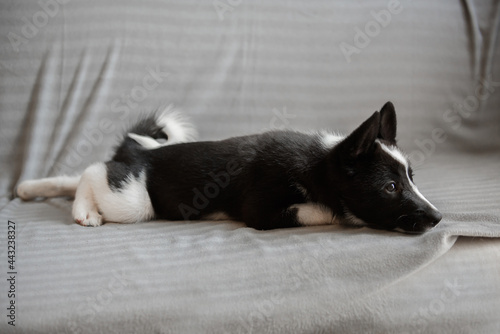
388	123
362	139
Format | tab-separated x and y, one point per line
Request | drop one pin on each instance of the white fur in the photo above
329	140
129	204
144	141
310	214
399	156
395	153
174	124
48	187
85	211
416	191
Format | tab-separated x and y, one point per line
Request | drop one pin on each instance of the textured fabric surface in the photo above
73	74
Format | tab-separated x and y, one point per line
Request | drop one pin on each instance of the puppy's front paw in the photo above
88	219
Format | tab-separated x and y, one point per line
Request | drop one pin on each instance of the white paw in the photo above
24	190
91	218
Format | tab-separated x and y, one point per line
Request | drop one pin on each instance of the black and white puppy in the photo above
277	179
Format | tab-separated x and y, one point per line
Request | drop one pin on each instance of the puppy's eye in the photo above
390	187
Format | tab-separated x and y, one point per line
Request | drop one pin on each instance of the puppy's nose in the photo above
432	216
436	217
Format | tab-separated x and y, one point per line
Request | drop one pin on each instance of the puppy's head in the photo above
375	180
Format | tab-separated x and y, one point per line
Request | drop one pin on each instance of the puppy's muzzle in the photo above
419	221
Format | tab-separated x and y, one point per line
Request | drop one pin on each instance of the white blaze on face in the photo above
397	155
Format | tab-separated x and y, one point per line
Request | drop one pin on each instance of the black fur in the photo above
253	179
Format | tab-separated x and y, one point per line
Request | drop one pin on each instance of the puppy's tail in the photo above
165	128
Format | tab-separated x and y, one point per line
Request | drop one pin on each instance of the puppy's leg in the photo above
303	214
48	187
85	210
268	218
96	201
126	201
310	214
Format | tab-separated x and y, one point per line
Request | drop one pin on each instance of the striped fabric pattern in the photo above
74	74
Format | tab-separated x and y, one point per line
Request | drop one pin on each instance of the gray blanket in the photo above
74	74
